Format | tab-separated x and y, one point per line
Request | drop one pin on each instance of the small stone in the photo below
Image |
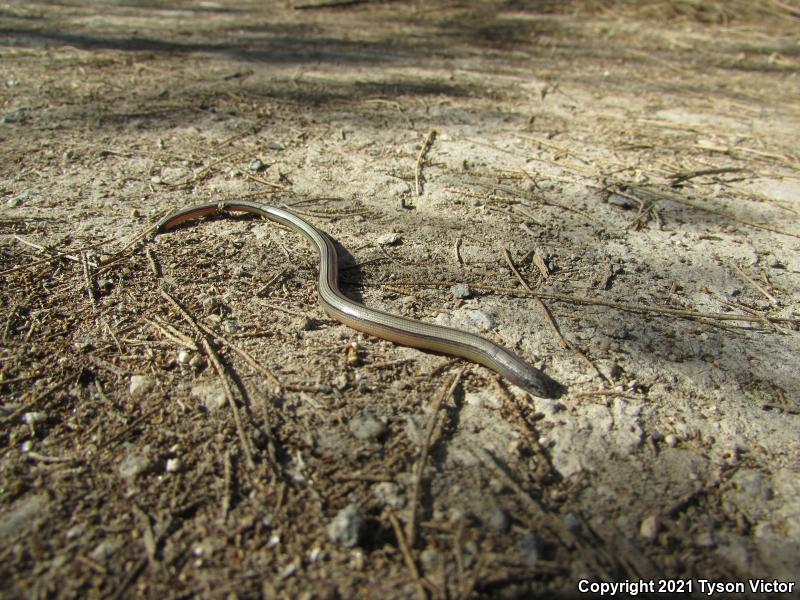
212	395
230	326
621	201
531	547
671	440
133	465
183	357
16	201
173	465
548	407
106	549
429	557
367	426
256	165
140	385
276	145
415	430
649	528
346	527
572	523
388	493
76	531
498	520
705	539
26	446
389	239
461	290
482	320
209	303
31	418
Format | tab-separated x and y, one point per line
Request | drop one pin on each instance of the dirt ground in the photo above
618	184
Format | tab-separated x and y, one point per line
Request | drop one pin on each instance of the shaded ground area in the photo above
616	182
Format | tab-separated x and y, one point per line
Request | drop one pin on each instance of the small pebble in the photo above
531	547
480	319
650	527
31	418
621	201
346	527
133	465
276	146
388	493
498	520
461	290
184	356
212	395
209	304
548	407
105	549
173	465
389	239
705	539
366	426
256	165
572	523
140	385
671	440
230	326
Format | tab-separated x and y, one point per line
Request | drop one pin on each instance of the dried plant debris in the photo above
609	188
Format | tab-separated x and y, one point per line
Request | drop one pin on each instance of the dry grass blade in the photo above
445	392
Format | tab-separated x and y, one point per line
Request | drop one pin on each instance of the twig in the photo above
261	180
263	289
687	175
755	284
637	308
88	280
445	393
171	333
333	4
226	492
544	470
151	260
409	560
217	364
723	214
545	311
457	250
426	144
475	575
213	357
248	358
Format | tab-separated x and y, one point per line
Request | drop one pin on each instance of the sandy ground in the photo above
618	185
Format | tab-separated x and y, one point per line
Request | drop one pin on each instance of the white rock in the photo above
389	239
366	426
31	418
211	394
460	290
482	320
388	493
133	465
140	385
649	527
346	527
